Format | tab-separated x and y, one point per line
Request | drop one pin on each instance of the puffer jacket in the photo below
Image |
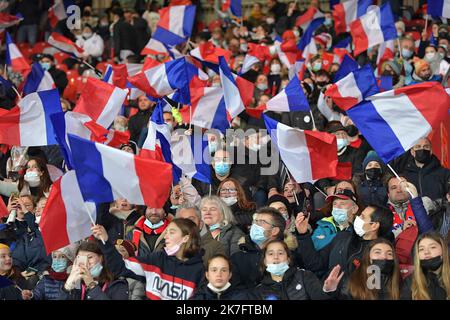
245	265
372	192
297	284
47	288
229	237
325	232
116	290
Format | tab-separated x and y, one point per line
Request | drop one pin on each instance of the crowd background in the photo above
251	236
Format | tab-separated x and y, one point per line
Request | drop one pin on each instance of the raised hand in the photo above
332	282
99	232
301	223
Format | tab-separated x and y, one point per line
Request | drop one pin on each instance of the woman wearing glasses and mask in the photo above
232	193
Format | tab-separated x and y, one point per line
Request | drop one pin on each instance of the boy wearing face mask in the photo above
371	189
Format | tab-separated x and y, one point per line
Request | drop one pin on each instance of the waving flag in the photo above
353	88
102	170
100	101
439	8
14	57
7	20
346	12
58	11
208	52
29	123
393	121
162	79
65	218
347	65
235	6
256	53
287	53
375	27
308	155
307	44
175	24
385	53
308	17
233	100
38	80
64	44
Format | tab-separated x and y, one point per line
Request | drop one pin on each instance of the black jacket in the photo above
60	79
430	180
116	290
245	265
205	293
116	228
297	284
435	289
243	217
383	293
372	192
137	123
124	37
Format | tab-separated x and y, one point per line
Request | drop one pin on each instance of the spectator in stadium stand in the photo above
47	62
92	44
124	40
28	28
140	120
371	189
12	277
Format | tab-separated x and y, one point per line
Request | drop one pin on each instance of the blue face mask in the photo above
212	146
406	53
222	168
339	215
96	270
257	234
152	226
59	264
45	65
215	226
327	22
277	269
341	143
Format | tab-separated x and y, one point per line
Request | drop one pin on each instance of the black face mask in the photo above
352	130
423	156
386	266
373	173
431	264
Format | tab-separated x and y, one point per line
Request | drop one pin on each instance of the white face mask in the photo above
358	226
32	178
275	68
87	35
230	200
262	86
430	56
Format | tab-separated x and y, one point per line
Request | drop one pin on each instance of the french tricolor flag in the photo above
235	6
308	17
38	80
439	8
58	11
100	101
375	27
348	65
233	100
256	53
66	217
106	174
393	121
308	155
64	44
307	44
347	12
208	52
28	124
158	138
175	24
14	57
7	20
155	47
162	79
385	53
353	88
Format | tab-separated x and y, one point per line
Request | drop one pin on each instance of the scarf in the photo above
58	276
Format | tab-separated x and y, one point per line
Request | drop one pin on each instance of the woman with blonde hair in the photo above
219	219
431	277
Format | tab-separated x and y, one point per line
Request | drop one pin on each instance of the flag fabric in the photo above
100	101
393	121
347	65
77	124
347	12
343	171
64	44
208	52
308	155
232	97
308	17
297	69
116	75
58	11
307	44
235	7
175	24
375	27
38	80
385	83
7	20
353	88
385	53
102	170
162	79
256	53
4	212
28	124
155	47
65	218
287	51
14	57
439	8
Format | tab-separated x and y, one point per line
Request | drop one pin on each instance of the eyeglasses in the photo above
261	223
231	190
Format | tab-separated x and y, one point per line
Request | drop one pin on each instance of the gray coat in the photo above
229	236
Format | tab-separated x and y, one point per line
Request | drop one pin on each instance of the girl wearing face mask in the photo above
219	220
431	277
232	193
218	276
177	269
55	276
274	77
282	281
91	279
35	181
378	260
371	190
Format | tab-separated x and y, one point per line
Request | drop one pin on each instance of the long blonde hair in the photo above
419	285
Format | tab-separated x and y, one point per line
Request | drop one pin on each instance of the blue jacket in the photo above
47	289
372	192
30	252
325	232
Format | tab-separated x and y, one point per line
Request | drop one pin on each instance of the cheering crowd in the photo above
369	234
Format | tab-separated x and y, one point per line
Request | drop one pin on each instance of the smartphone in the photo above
82	261
30	270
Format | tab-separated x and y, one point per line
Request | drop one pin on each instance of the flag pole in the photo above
312	119
92	219
398	178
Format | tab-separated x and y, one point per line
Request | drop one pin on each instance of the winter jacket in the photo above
430	180
167	277
12	292
229	237
324	233
124	38
245	265
116	228
211	247
383	293
372	192
60	79
205	293
436	290
47	288
136	289
138	122
297	284
116	290
243	217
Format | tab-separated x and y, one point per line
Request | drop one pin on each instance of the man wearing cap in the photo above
344	208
